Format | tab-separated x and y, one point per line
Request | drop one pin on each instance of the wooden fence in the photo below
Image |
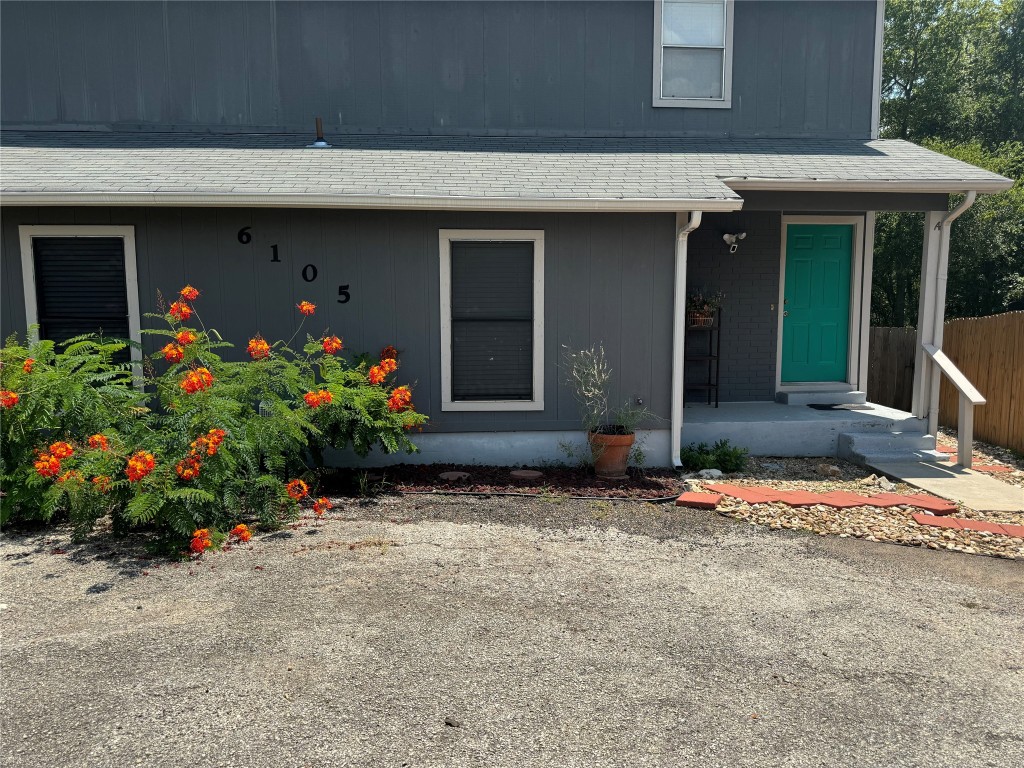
989	351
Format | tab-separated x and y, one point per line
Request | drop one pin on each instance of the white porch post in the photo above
926	312
865	300
685	224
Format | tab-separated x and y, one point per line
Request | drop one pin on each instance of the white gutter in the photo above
679	333
940	186
409	202
944	226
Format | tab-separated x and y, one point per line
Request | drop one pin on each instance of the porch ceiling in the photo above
469	173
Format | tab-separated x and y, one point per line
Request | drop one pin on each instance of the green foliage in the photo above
206	452
953	79
722	455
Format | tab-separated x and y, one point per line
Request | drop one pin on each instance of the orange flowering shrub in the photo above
332	345
173	353
140	464
258	348
185	337
241	532
181	311
298	490
207	441
99	441
198	380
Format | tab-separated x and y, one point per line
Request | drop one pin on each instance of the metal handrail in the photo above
969	397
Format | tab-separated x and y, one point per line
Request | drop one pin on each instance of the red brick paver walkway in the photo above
962	524
758	494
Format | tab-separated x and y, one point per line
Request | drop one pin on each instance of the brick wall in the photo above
749	279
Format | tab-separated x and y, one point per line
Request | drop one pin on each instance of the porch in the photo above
778	429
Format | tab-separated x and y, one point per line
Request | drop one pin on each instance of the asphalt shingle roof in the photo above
159	168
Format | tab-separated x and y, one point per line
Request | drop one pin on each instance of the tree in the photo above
953	80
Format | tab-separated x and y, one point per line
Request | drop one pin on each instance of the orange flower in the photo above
214	438
200	541
298	490
99	441
27	365
185	338
306	307
312	399
189	293
322	505
47	465
326	398
389	365
188	468
400	400
8	399
173	353
389	353
71	474
241	532
332	344
61	450
258	348
197	381
140	464
376	374
181	311
101	483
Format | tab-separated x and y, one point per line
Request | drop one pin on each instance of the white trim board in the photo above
127	233
876	72
445	239
855	338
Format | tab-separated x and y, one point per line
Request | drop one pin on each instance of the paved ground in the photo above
694	640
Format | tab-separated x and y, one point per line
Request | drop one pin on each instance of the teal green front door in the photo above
816	305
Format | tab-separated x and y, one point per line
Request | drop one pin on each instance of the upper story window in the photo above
693	53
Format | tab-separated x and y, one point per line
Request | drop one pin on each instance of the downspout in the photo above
941	274
679	336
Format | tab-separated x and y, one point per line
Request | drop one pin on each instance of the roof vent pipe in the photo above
320	141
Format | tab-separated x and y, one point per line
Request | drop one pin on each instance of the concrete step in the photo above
871	448
829	397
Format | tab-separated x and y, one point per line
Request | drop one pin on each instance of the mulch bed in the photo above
555	481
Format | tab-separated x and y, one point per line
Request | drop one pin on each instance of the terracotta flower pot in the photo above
700	319
611	452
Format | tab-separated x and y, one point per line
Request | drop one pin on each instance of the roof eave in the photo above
948	186
397	202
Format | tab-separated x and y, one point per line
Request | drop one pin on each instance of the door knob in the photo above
785	313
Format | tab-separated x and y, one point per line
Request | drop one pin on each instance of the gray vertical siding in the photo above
749	280
607	280
801	68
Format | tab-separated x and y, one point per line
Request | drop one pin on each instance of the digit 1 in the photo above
273	250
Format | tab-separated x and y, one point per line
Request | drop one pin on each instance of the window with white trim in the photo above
492	320
81	279
693	53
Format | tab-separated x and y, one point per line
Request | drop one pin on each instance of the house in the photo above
496	181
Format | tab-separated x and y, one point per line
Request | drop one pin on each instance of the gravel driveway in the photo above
688	640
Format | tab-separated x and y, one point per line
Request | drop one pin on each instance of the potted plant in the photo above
701	306
611	432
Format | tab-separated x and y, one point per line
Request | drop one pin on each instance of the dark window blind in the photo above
492	321
80	287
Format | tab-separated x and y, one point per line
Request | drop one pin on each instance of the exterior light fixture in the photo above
733	240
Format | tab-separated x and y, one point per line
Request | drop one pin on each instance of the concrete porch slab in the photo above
775	429
973	489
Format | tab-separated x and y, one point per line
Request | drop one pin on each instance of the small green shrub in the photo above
722	455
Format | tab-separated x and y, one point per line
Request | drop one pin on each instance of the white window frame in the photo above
445	239
662	101
131	276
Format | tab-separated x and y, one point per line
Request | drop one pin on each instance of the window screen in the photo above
492	321
693	38
80	287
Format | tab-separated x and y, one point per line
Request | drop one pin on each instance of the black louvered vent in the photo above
80	287
492	321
